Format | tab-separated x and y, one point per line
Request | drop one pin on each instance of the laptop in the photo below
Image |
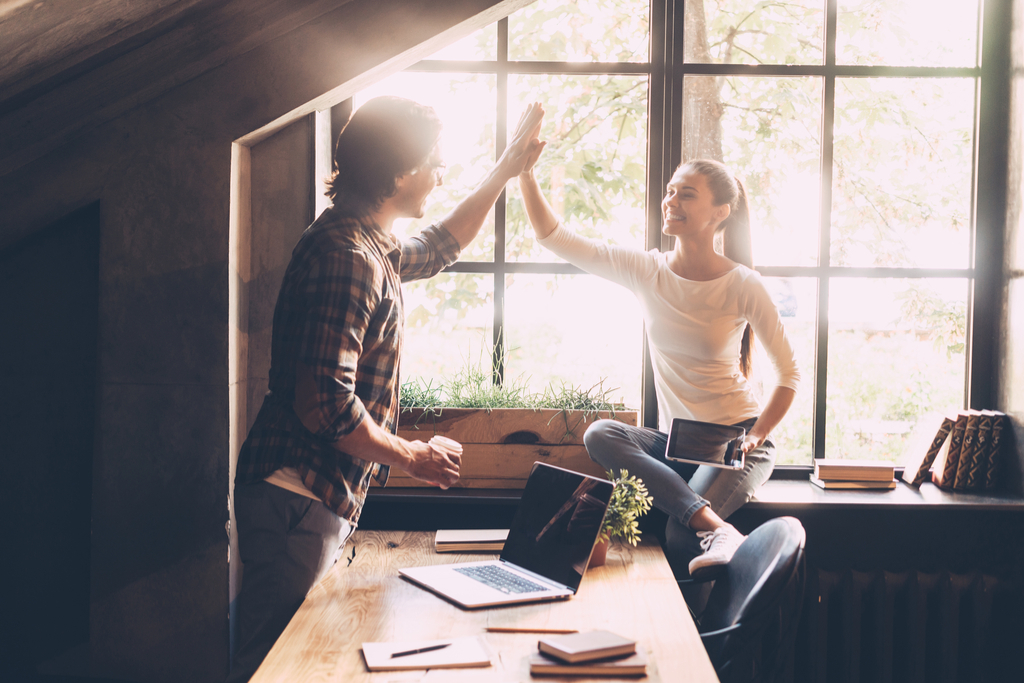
705	443
548	548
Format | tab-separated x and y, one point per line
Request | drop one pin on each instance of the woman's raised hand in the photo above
525	147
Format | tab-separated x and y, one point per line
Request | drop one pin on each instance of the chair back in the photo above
749	624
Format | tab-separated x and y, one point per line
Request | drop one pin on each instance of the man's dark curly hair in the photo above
385	138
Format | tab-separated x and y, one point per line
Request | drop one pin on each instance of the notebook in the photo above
464	540
548	547
449	653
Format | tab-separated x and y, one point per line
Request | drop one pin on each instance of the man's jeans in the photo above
287	542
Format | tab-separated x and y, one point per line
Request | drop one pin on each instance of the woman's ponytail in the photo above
736	243
734	231
737	246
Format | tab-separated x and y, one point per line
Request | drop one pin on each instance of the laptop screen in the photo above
557	522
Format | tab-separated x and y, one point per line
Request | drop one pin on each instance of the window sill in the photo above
790	494
783	495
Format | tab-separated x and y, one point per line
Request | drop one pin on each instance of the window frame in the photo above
665	71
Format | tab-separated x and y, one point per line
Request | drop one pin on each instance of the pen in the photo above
419	650
508	629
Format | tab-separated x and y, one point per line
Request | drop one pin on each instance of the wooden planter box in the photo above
501	445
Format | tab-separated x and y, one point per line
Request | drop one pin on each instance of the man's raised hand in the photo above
525	144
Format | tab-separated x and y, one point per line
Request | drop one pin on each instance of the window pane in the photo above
796	299
448	323
907	32
583	31
480	46
593	170
466	104
577	329
902	172
754	32
768	131
895	355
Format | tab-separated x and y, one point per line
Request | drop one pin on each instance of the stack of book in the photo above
588	653
964	454
832	473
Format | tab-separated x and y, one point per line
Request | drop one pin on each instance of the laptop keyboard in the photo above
501	579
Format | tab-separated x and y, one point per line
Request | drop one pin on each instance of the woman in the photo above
699	307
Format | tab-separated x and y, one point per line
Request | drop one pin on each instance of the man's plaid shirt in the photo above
339	313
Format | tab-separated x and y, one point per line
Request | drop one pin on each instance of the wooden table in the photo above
634	595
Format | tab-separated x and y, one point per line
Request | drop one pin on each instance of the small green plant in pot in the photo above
629	502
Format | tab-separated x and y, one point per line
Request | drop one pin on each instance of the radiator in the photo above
908	627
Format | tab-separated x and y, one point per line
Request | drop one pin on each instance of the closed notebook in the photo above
854	485
459	653
586	646
625	665
464	540
853	470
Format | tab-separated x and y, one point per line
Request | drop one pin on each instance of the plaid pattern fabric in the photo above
339	319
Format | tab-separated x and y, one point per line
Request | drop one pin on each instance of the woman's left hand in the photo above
751	442
525	147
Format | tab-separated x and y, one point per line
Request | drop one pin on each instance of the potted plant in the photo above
505	428
629	501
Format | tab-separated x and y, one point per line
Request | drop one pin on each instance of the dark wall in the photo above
49	311
171	254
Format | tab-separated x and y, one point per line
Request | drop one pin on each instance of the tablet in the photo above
705	443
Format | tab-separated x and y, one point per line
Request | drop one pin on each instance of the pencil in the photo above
510	629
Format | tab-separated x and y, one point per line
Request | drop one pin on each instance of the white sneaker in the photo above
719	546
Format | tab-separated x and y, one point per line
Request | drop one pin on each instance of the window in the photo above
854	125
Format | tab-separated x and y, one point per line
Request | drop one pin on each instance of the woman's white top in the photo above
694	329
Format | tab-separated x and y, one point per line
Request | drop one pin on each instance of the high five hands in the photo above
525	147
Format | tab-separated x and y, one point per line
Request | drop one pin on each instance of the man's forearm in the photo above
434	464
466	219
369	442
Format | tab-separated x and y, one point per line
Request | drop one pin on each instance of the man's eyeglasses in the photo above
439	167
435	166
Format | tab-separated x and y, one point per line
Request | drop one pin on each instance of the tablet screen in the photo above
705	443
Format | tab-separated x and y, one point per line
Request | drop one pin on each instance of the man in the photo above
327	423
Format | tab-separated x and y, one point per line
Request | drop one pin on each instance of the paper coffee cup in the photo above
445	444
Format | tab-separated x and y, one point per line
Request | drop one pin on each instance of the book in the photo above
948	459
970	475
629	665
853	470
928	437
858	485
968	450
994	450
586	646
454	653
466	540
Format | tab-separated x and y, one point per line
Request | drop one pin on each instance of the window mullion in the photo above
824	238
500	135
991	188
